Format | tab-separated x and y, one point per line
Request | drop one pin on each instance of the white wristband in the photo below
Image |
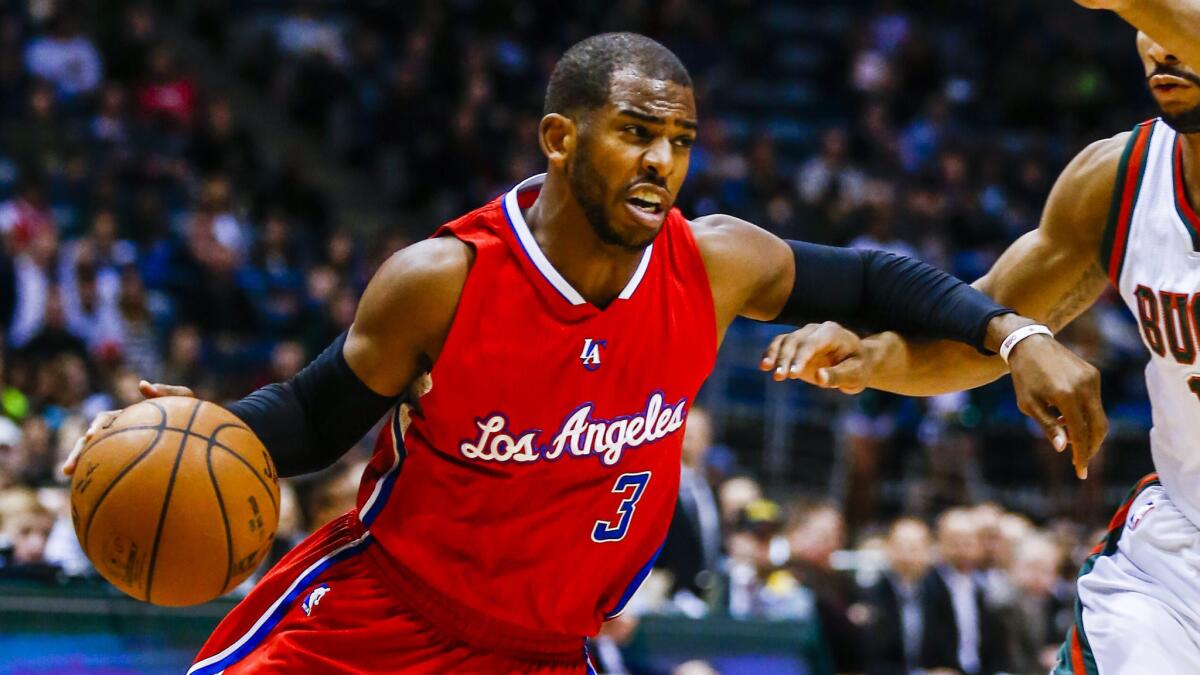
1019	334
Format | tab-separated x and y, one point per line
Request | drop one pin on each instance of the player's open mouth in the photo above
647	206
647	198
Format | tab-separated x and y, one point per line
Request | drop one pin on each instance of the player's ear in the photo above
557	134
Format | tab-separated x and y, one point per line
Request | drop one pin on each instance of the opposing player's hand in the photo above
106	418
1061	392
824	354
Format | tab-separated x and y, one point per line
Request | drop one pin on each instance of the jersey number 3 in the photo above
632	485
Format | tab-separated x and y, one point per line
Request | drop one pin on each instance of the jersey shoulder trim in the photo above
1183	203
1130	173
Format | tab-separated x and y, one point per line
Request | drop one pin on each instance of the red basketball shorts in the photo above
327	608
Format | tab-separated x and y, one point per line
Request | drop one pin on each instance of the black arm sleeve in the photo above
310	421
869	290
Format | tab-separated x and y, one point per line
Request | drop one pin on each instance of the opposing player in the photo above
567	327
1123	212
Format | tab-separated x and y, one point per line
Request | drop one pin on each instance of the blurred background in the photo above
196	192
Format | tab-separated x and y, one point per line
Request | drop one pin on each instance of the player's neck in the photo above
597	270
1191	166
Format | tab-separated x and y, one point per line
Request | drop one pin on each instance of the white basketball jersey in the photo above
1152	254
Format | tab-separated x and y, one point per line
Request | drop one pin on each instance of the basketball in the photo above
175	502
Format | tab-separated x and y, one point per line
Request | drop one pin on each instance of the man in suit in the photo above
896	624
960	631
693	545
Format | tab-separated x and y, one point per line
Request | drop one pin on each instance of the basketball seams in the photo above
214	443
162	517
224	516
158	432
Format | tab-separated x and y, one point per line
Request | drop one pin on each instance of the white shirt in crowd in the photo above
71	64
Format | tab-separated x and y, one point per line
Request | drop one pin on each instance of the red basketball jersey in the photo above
533	489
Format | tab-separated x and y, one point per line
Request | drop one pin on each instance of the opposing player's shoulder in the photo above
1098	162
1079	204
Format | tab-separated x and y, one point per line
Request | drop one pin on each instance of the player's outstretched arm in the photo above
1051	274
1174	24
310	421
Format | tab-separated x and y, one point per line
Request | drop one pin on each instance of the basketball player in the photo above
1123	211
567	326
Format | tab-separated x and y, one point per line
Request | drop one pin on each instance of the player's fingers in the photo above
99	423
1052	425
771	355
828	344
1097	419
1078	432
157	390
849	376
68	467
786	358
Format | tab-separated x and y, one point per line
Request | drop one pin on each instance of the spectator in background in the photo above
693	542
40	141
134	340
62	544
734	495
896	625
26	526
303	34
758	586
220	146
1043	606
65	57
39	303
829	185
961	631
167	94
12	455
814	534
184	354
27	216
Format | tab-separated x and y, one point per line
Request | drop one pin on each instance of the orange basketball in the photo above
176	501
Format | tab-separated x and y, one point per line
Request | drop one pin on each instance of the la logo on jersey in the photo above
590	356
314	599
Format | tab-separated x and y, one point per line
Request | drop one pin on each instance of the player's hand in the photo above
1061	392
824	354
106	418
1114	5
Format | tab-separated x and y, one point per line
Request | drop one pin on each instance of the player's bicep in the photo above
1053	273
405	313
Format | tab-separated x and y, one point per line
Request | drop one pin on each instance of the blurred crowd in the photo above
975	589
145	235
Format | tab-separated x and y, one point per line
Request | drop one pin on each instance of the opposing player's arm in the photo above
760	276
310	421
1051	274
1174	24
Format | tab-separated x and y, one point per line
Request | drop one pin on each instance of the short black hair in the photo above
583	76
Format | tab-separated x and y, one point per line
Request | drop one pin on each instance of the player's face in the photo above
632	158
1174	86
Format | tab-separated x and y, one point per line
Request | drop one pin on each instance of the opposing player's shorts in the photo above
328	607
1138	611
